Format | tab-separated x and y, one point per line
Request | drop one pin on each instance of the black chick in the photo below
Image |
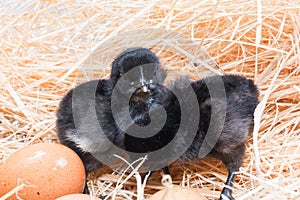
85	120
226	121
136	102
85	123
231	115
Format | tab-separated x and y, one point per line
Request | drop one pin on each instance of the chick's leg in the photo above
226	193
232	161
86	188
166	170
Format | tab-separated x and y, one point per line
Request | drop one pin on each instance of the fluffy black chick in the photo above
85	119
133	95
226	107
228	118
136	100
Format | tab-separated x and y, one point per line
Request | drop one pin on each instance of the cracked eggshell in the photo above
48	171
178	193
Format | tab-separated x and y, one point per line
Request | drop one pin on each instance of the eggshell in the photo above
77	197
48	170
178	193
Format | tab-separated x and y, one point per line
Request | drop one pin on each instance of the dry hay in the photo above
47	47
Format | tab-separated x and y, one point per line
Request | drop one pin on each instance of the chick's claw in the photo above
86	189
226	195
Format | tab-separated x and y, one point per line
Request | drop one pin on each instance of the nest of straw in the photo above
48	47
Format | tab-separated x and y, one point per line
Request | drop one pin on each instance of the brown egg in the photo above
178	193
47	170
77	197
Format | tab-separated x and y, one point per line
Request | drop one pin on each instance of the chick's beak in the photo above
148	87
145	88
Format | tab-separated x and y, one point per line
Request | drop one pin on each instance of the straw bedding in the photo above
48	47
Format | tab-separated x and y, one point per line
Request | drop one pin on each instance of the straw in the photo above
48	47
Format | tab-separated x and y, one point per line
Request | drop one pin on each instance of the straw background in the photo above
48	47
